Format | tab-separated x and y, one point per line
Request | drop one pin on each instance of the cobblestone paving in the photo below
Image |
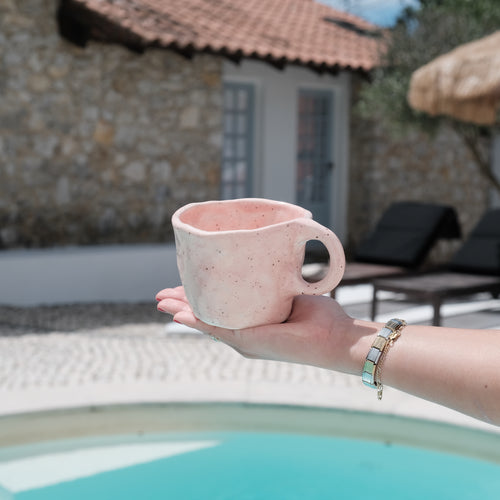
94	354
64	347
138	353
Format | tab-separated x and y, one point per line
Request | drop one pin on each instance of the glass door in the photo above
236	175
314	153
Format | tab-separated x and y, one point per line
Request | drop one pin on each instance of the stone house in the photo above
115	113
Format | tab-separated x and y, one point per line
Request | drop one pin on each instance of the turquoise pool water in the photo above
248	465
344	456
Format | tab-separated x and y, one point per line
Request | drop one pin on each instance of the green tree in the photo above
420	35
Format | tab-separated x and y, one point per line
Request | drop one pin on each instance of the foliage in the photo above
420	35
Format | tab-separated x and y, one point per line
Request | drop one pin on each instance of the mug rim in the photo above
177	223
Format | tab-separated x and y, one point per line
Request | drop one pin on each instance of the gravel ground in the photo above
75	317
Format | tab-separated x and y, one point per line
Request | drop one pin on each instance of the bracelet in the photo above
372	369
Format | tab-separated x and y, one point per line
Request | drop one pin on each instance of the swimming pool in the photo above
229	451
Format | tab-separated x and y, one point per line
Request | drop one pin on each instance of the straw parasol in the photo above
463	83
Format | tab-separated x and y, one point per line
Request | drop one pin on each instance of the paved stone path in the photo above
134	355
66	356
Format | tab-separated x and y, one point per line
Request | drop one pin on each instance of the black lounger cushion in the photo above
406	232
481	251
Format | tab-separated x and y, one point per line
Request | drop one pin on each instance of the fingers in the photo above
174	293
173	306
186	317
250	343
172	300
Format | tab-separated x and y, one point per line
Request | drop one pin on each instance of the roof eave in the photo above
79	25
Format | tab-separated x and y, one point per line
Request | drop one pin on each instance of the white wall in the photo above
276	98
120	273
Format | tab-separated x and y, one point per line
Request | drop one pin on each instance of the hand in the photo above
318	332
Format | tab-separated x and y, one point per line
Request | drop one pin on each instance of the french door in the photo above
314	153
237	161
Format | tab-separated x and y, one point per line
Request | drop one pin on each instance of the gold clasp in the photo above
393	337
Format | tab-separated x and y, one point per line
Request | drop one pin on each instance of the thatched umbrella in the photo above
463	83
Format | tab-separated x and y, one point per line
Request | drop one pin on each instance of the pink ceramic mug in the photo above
240	261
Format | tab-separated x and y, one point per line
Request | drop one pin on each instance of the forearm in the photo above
454	367
457	368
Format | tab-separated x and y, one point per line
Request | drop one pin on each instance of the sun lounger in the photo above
473	269
399	244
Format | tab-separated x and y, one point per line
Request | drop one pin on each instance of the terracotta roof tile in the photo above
299	31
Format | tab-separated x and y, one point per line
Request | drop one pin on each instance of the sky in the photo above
381	12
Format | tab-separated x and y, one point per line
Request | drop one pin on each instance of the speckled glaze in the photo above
240	261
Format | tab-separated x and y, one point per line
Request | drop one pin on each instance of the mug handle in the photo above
312	230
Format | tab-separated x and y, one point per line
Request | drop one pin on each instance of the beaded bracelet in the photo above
372	369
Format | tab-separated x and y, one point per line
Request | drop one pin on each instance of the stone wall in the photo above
99	145
416	167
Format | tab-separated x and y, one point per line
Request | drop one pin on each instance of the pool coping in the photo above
150	420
